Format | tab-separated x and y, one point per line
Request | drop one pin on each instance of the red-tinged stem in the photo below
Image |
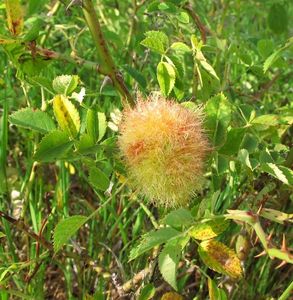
107	66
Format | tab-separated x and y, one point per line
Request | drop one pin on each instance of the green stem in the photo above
49	54
4	139
107	64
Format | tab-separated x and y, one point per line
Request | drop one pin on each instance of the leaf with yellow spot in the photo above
220	258
209	229
67	115
171	296
4	40
14	14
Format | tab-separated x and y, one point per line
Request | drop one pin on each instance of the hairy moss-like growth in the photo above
164	146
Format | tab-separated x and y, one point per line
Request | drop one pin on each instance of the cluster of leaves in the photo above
191	54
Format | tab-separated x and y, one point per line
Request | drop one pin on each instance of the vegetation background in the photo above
59	162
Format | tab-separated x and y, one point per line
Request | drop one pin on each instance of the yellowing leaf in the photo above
6	40
171	296
14	16
67	115
220	258
209	229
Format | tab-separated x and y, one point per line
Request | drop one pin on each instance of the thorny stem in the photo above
253	220
202	29
107	64
50	54
21	226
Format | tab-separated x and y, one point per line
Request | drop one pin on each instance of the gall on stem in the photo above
164	146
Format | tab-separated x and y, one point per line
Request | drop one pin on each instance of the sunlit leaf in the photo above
209	229
65	84
67	115
166	77
33	119
156	40
280	172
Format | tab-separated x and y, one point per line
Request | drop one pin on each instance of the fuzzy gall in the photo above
164	146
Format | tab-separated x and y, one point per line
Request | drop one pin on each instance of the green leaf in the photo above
147	292
98	179
33	33
210	229
33	119
168	262
53	146
65	84
32	66
275	55
190	105
86	145
215	293
153	239
14	14
267	120
42	82
243	157
280	172
276	215
137	76
209	68
233	142
278	18
176	63
156	40
179	217
250	143
183	17
167	6
65	229
220	258
2	235
96	125
179	46
218	116
35	6
67	115
265	47
222	163
245	58
166	77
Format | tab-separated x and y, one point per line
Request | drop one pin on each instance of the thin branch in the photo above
107	64
203	30
50	54
24	228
